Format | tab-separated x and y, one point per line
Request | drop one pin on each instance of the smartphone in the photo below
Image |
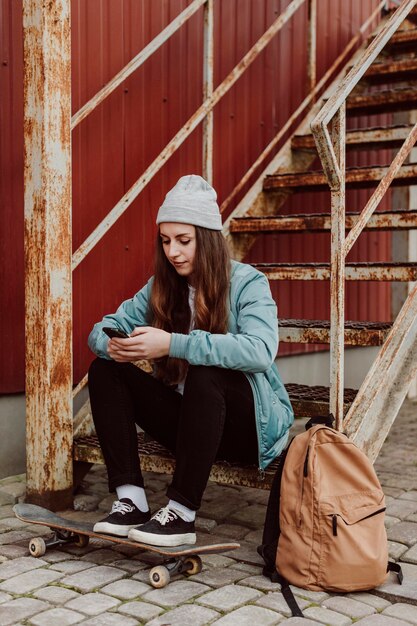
115	332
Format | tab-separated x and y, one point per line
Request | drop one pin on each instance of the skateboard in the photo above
183	559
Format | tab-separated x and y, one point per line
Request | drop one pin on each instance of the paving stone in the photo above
111	619
409	495
92	603
260	582
313	596
326	616
369	598
395	592
126	589
14	489
395	492
216	577
247	552
129	565
14	536
232	531
93	578
105	555
390	521
396	550
255	570
189	615
20	609
55	595
106	503
276	601
409	571
406	612
141	610
6	511
300	621
380	620
12	523
250	615
255	536
24	583
404	532
176	593
401	508
409	555
412	518
217	560
84	502
349	607
205	525
252	516
20	566
60	616
220	510
13	552
4	597
229	597
72	566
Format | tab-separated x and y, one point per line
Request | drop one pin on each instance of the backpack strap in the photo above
327	420
288	594
396	567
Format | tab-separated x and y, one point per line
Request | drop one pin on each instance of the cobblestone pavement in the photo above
106	584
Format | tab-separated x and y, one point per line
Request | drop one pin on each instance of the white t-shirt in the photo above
191	296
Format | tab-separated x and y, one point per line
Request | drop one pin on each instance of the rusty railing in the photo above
331	148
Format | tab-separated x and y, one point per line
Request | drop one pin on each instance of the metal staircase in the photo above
290	173
259	213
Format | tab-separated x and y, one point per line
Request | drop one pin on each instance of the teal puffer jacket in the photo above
250	346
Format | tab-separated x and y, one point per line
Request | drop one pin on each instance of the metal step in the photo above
310	401
404	272
356	178
361	139
156	458
403	40
382	101
318	331
321	222
398	70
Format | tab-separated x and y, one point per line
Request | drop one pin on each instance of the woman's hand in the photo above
145	342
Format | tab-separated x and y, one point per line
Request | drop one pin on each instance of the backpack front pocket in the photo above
353	549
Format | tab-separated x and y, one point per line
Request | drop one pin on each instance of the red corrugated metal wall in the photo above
115	144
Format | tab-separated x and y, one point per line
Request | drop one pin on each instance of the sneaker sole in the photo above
162	540
113	529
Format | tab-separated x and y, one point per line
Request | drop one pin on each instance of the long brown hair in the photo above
169	308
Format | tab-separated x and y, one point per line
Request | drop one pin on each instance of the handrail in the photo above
136	62
183	133
331	150
326	114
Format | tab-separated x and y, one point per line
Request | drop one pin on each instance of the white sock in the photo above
188	515
134	493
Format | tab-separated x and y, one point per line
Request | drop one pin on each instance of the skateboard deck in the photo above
184	558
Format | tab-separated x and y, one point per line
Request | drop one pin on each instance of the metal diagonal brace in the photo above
381	395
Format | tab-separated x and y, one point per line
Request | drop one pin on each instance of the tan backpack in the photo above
331	532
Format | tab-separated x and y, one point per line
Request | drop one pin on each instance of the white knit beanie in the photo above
191	201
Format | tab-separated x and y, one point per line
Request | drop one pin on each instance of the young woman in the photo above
209	326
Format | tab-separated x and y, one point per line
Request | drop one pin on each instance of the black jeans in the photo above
214	419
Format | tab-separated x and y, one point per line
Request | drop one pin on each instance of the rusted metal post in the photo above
47	169
337	277
208	89
311	45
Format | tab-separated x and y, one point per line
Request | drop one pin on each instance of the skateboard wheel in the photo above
81	541
194	565
159	576
37	546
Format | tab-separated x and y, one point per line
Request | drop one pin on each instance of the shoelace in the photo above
165	515
121	507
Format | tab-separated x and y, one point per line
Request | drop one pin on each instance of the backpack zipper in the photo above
334	524
306	463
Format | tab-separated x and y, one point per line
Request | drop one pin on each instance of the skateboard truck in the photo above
38	545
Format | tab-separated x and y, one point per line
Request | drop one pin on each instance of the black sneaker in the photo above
123	516
165	528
